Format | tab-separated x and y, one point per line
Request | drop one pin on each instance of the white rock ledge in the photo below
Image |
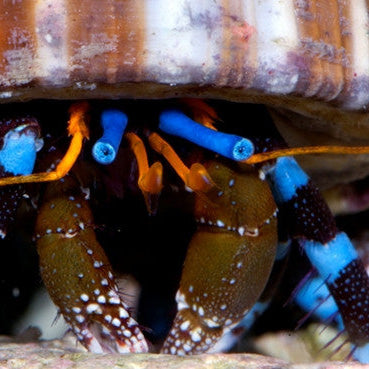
66	354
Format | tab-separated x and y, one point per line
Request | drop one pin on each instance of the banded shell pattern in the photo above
239	49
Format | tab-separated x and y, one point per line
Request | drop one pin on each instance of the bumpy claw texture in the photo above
78	275
228	262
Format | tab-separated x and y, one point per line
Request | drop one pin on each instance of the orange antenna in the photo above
261	157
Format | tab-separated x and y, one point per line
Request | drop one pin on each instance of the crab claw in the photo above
78	275
190	335
106	327
227	263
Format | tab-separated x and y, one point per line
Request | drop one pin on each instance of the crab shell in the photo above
306	58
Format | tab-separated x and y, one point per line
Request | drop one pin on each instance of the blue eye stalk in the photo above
114	123
20	145
176	123
233	147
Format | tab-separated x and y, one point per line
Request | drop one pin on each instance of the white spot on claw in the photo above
80	318
195	336
127	333
116	322
93	308
123	313
241	231
184	325
220	223
114	300
101	299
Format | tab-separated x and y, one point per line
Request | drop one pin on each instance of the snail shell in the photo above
241	49
309	57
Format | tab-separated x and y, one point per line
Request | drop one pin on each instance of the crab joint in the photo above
113	122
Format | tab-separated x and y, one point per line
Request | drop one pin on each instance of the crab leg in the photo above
329	250
78	275
315	297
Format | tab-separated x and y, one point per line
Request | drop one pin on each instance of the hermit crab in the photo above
305	59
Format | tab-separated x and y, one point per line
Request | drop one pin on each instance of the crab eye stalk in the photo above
233	147
20	143
19	147
113	122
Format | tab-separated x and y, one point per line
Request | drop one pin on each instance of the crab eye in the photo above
113	122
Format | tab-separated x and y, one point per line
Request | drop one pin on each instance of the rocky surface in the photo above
65	354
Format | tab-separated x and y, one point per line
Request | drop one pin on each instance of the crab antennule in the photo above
233	147
196	178
113	123
329	250
150	179
202	112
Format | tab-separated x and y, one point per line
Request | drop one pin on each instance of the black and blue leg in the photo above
329	250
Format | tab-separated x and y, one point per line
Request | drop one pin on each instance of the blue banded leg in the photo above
315	297
113	123
329	251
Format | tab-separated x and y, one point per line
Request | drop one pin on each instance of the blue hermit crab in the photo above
307	60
